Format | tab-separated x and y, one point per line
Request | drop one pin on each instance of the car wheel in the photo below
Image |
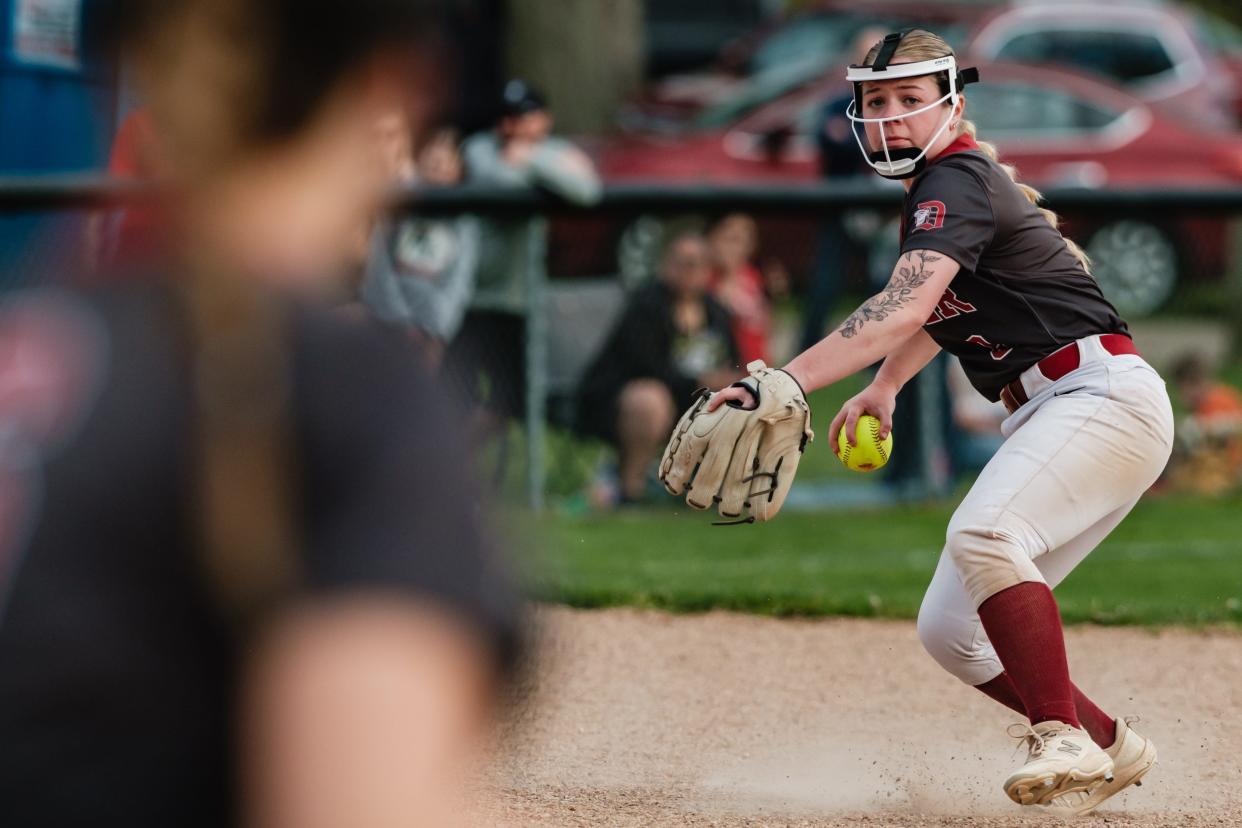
1135	264
638	250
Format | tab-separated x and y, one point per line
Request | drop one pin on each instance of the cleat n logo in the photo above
1070	748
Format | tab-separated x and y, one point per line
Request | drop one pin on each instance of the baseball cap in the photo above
519	98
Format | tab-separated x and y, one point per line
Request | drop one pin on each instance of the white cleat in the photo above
1060	760
1133	756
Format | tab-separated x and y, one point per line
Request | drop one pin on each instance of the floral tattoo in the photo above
898	292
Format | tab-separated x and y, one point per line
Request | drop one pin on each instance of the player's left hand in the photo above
740	457
878	399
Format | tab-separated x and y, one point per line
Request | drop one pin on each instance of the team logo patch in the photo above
928	215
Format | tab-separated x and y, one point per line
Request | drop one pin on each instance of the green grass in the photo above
1175	560
571	461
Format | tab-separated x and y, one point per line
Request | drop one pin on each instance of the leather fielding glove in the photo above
743	460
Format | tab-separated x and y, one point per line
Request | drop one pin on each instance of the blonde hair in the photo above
919	44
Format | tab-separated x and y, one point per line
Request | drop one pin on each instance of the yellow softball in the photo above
870	452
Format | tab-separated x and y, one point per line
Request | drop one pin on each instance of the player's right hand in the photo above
878	399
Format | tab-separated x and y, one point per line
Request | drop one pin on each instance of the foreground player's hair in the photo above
252	73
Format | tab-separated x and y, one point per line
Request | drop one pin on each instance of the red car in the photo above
1187	60
1059	127
788	51
1175	58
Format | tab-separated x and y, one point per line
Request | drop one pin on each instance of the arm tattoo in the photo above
898	292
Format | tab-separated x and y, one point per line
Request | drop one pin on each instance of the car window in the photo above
796	54
755	93
818	39
826	39
1219	33
1010	109
1128	57
1019	108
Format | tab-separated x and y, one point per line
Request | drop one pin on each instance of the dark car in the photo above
688	34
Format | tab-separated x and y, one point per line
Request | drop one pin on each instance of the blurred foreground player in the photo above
241	573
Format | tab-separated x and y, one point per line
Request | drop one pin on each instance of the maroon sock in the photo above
1099	724
1001	689
1024	626
1094	720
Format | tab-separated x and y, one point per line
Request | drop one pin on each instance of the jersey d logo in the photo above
928	215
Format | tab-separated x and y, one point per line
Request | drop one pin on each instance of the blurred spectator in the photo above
420	272
963	427
121	238
522	151
393	148
136	151
844	237
974	433
487	358
439	162
740	287
672	338
243	575
1215	406
395	145
1208	454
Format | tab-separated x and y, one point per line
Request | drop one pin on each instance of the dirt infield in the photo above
643	718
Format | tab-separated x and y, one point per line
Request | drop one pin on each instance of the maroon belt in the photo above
1059	363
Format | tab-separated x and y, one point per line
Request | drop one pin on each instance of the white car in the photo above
1160	53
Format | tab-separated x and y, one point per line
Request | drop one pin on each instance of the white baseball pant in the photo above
1075	460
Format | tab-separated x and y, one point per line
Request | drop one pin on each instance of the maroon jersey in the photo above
1020	293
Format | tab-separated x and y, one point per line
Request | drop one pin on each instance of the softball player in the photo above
985	274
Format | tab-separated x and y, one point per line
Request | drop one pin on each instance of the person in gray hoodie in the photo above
486	359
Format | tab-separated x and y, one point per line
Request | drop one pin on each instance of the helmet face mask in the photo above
897	162
902	162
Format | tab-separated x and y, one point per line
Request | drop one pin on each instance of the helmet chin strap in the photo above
900	162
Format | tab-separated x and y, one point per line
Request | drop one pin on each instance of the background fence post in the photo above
536	359
931	388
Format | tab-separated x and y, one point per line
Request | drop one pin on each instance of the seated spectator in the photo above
672	338
738	284
419	273
1207	457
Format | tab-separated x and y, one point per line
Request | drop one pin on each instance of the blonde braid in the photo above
1032	194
